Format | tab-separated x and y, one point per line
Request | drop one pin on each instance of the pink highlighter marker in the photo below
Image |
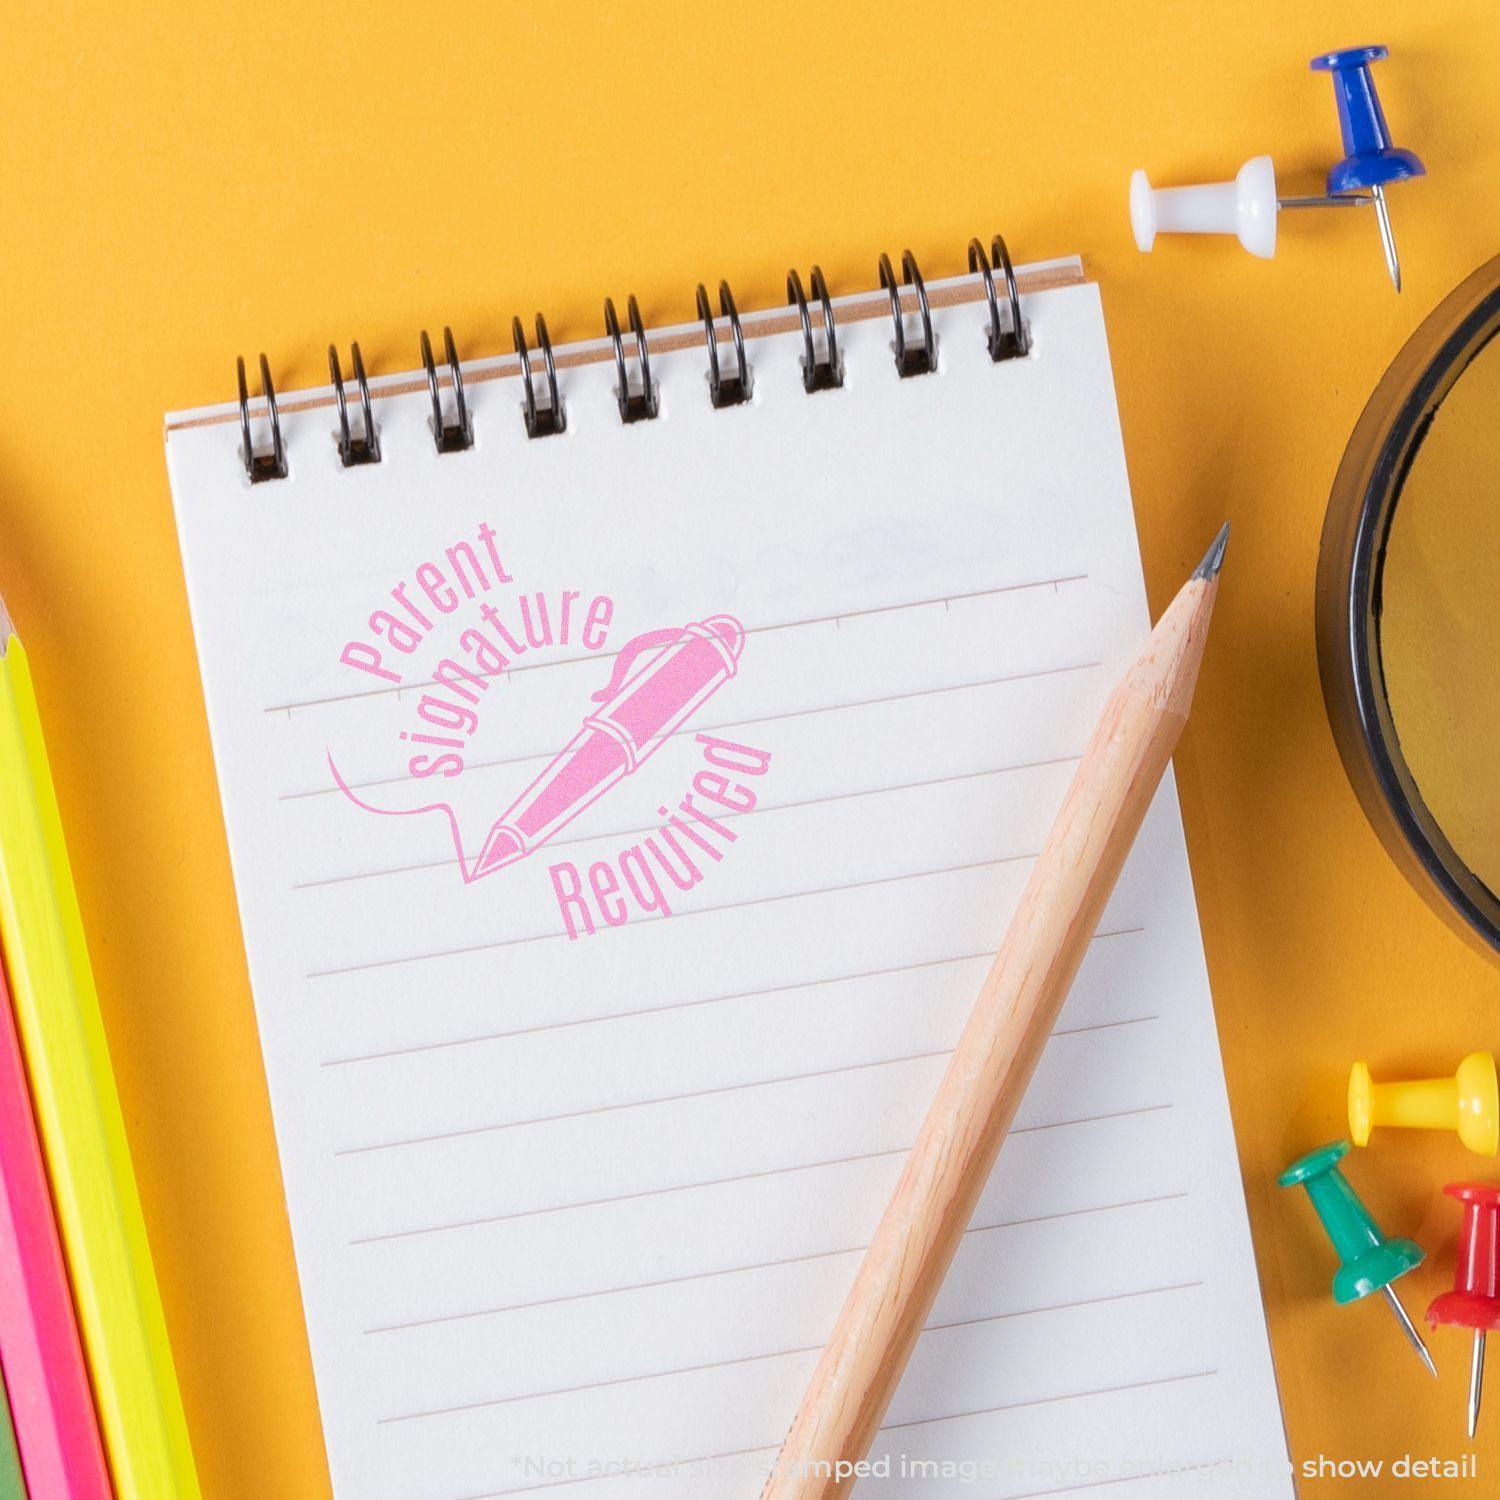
46	1378
639	714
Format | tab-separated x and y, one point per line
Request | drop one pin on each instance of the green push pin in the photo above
1369	1261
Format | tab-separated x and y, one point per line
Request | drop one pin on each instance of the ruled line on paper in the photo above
724	817
764	1265
764	1172
771	1449
657	1010
609	1109
852	614
1108	1390
746	1359
676	917
702	728
709	1093
660	1192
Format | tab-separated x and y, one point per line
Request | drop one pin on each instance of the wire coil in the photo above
541	421
364	449
918	359
635	406
826	374
455	436
1004	343
729	374
259	466
724	390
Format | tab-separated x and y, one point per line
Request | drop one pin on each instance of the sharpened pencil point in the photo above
1213	559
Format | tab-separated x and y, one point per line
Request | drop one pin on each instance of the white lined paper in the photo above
567	1209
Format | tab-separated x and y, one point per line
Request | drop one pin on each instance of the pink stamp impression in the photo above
641	709
443	639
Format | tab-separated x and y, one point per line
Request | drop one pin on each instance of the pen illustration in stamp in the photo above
440	676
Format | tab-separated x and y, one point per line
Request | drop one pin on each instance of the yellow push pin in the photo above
1469	1103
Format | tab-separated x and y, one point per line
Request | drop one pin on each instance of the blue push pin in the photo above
1370	160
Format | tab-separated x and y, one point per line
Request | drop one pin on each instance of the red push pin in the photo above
1474	1301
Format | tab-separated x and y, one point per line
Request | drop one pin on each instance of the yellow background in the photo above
184	183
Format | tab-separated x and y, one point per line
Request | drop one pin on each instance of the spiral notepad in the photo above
631	751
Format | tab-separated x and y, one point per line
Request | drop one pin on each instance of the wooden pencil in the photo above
1016	1010
78	1115
46	1380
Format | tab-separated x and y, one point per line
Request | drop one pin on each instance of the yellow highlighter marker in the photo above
78	1115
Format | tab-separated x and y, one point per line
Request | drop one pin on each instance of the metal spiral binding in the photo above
920	359
541	421
634	406
826	374
729	384
259	466
724	390
1005	343
364	449
455	436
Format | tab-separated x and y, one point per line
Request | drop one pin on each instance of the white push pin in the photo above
1245	208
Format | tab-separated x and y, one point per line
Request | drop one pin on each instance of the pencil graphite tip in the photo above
1213	559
